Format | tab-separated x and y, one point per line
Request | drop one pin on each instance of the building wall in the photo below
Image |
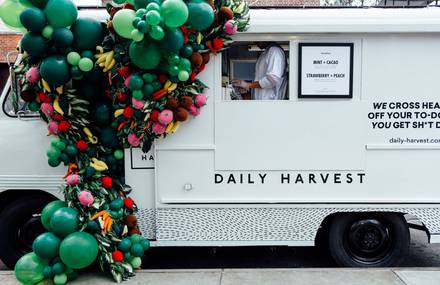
8	43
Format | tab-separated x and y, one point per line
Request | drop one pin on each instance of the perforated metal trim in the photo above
147	222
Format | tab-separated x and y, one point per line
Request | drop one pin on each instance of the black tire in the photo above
369	239
20	224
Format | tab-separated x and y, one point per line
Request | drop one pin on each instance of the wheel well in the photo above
412	221
6	197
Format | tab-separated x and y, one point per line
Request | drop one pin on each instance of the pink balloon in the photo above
165	117
85	198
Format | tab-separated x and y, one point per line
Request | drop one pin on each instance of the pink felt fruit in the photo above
133	140
200	100
230	27
165	117
127	81
33	75
158	128
137	104
53	127
194	111
47	109
85	198
72	179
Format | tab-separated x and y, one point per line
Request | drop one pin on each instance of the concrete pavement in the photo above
333	276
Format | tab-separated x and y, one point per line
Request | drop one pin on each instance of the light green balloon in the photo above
136	262
157	33
174	13
47	32
123	22
61	13
29	269
183	75
73	58
10	11
136	35
85	64
153	17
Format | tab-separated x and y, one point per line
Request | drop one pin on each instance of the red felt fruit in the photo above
57	117
43	98
63	126
81	145
28	96
124	71
118	256
155	115
128	112
217	43
128	203
122	97
107	182
162	78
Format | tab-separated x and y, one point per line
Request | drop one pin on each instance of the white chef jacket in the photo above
270	72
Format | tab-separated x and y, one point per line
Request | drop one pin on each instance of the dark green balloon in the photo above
186	50
173	40
61	13
34	44
48	211
55	70
102	114
201	15
145	55
79	250
39	3
88	33
62	38
33	19
64	221
109	138
29	269
46	245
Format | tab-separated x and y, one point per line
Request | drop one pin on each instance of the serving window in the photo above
256	71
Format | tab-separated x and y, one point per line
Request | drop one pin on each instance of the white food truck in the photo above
352	150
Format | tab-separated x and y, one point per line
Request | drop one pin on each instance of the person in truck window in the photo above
270	74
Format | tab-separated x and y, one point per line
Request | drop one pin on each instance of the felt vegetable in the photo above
85	198
165	117
33	75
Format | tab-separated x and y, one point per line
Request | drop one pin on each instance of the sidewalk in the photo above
398	276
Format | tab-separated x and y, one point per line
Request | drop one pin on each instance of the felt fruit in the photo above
72	179
130	221
180	114
194	111
47	109
107	182
28	95
33	19
48	211
81	145
186	102
158	128
117	256
200	100
133	140
46	245
78	250
64	221
128	203
172	103
230	27
197	59
85	198
165	117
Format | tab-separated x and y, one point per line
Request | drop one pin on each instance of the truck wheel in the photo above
369	240
19	225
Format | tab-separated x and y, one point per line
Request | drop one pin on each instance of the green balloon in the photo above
10	11
60	279
85	64
145	55
153	6
139	4
60	145
102	114
47	32
173	40
137	94
58	268
39	3
136	262
123	22
109	137
34	44
183	75
79	250
157	33
53	153
53	162
174	13
145	244
71	150
33	19
46	245
88	33
73	58
29	269
201	15
186	50
137	250
55	70
48	211
62	38
185	64
147	89
137	35
64	221
136	82
153	17
118	154
143	27
61	13
125	245
173	70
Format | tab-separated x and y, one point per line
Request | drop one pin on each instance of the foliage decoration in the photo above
103	87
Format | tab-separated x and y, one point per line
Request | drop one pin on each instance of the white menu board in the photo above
325	70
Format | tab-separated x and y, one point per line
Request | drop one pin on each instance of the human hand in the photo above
241	83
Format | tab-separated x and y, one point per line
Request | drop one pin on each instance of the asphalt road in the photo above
421	254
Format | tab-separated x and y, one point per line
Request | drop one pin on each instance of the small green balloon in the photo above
174	13
73	58
153	17
153	6
60	279
58	268
143	27
140	12
33	19
47	32
38	3
136	21
46	246
123	22
53	162
54	141
185	64
137	250
48	211
64	221
147	89
119	2
125	245
60	145
186	50
61	13
119	154
78	250
173	70
183	75
157	33
85	64
135	238
47	272
136	262
137	35
174	59
145	244
88	54
138	95
71	150
53	153
29	269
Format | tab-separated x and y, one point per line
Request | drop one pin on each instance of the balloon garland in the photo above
103	87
